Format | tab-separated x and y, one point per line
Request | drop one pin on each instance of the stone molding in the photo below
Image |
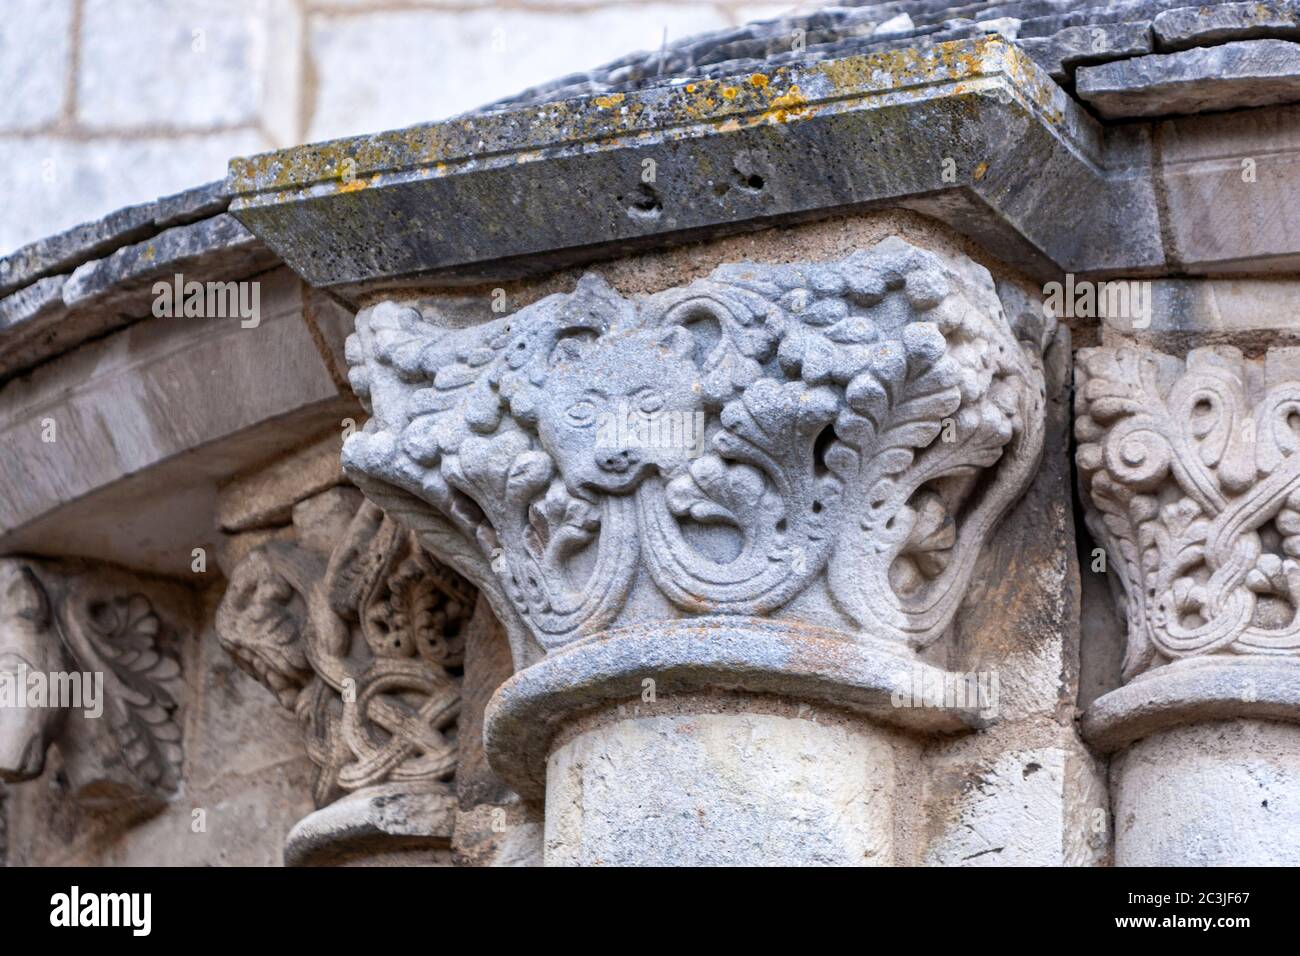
102	621
361	647
781	659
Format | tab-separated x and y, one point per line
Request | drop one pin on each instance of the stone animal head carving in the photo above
606	398
27	645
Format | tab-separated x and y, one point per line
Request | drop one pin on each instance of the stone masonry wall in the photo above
113	102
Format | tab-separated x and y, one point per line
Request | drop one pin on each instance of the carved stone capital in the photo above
827	443
88	660
817	446
1193	486
1191	478
364	645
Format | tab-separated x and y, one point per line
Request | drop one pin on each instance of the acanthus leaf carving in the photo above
1193	482
83	620
842	438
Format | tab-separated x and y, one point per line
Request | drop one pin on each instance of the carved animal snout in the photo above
619	462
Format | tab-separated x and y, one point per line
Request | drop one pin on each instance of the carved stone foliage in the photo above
362	647
94	660
1193	483
828	441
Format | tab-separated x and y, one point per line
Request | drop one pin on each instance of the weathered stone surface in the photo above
796	663
1231	187
105	294
33	303
1034	807
265	497
487	666
1222	792
141	425
1061	52
319	522
1189	691
384	825
235	730
1246	312
731	789
66	250
869	120
1206	24
1232	76
218	246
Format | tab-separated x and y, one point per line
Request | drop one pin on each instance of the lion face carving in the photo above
621	407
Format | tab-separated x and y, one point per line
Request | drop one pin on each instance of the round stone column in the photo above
1206	766
719	742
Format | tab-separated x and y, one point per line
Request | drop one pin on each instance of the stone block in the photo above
194	65
724	789
266	497
1061	52
1233	76
1210	794
1206	24
142	419
35	55
1231	183
1040	806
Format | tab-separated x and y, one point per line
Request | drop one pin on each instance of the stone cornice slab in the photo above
971	131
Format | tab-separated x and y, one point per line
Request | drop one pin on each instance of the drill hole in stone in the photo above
645	204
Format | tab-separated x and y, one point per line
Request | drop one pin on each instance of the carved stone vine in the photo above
1192	477
862	426
100	624
362	647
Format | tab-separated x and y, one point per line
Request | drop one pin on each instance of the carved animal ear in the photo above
23	593
569	348
678	342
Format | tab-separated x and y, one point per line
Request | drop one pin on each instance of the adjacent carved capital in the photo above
827	444
362	646
1193	486
87	660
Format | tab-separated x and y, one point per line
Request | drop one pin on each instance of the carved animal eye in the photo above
650	403
581	413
